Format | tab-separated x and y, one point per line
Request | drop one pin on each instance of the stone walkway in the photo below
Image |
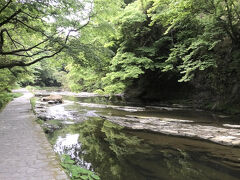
25	153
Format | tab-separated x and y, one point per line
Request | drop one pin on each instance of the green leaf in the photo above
84	177
95	177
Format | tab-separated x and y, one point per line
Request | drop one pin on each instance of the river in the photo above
96	132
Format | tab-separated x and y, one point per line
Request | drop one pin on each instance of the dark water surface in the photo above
115	152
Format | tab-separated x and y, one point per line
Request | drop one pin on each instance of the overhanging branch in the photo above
10	17
22	64
5	6
43	57
32	55
23	50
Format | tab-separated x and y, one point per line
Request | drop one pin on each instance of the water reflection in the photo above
115	152
69	145
118	153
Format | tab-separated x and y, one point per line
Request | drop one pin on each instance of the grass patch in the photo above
6	97
40	121
33	103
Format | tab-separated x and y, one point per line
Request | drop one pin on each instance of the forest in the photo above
120	89
184	51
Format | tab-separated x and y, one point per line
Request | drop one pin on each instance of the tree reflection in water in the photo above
115	153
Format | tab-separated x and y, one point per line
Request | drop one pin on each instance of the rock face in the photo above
53	99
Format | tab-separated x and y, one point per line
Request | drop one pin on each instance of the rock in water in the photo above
53	99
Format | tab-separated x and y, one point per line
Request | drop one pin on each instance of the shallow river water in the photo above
117	152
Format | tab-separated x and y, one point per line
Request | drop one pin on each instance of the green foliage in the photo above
88	58
8	79
48	73
82	79
123	53
126	42
124	67
33	102
31	31
34	30
6	97
138	49
75	171
188	40
202	32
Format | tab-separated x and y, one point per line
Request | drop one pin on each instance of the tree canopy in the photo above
138	46
34	30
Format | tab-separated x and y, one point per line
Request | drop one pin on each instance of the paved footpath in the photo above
25	153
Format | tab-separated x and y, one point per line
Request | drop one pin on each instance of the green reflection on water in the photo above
118	153
107	147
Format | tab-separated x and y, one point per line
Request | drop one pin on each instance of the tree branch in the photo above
5	6
32	55
32	28
44	57
2	39
13	73
10	17
19	43
10	38
23	50
230	21
236	10
33	17
22	64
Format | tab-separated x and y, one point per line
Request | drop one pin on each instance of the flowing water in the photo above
116	152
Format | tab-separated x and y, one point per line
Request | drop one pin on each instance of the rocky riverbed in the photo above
177	127
223	133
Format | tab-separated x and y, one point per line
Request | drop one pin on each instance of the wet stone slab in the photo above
25	151
220	135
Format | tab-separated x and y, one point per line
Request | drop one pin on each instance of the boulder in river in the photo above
53	99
